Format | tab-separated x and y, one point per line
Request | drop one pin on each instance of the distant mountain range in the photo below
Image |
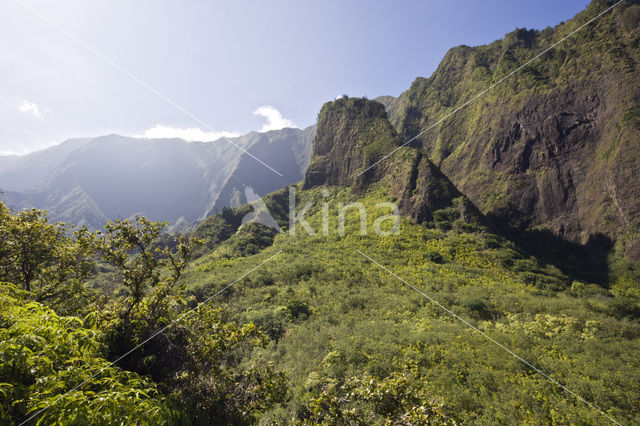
92	180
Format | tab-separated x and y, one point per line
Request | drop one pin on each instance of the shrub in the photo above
297	308
443	218
433	256
622	307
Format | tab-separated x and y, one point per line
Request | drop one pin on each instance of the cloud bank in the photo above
190	134
275	120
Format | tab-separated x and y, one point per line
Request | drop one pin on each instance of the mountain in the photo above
455	319
353	135
25	172
89	181
444	316
289	152
554	147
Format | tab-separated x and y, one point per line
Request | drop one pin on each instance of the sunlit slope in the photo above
335	316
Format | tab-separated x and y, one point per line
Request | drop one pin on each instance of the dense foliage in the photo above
357	344
135	351
51	371
556	143
361	347
41	257
443	322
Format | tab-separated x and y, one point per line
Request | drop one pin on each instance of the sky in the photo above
203	69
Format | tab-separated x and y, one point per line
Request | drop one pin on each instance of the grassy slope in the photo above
333	314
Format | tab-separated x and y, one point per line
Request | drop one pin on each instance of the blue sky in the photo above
222	61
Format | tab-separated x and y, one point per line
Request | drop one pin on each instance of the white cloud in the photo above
190	134
275	120
21	149
4	152
29	107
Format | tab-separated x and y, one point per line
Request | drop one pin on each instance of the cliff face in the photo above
352	135
286	150
556	145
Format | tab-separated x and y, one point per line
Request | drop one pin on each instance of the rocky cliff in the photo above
353	134
556	145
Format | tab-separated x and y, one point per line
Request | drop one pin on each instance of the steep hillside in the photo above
352	135
557	144
421	326
287	150
359	346
91	181
369	292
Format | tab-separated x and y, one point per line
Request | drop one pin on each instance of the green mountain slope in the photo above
402	292
335	318
353	135
556	145
421	325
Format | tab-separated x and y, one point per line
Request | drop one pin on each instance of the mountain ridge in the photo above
92	180
554	146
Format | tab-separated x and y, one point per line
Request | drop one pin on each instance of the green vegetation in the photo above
241	324
526	147
361	347
53	364
364	135
136	350
318	334
42	259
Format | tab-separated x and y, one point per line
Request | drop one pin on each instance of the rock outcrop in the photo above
352	135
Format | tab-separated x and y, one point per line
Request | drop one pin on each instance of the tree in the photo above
196	355
175	358
142	264
215	382
150	296
45	259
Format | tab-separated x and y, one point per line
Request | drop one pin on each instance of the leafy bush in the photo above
444	218
174	366
297	309
45	259
433	256
50	368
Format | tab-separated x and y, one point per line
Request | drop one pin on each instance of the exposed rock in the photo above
351	136
558	144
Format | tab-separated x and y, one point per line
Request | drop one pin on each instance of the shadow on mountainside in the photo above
588	263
